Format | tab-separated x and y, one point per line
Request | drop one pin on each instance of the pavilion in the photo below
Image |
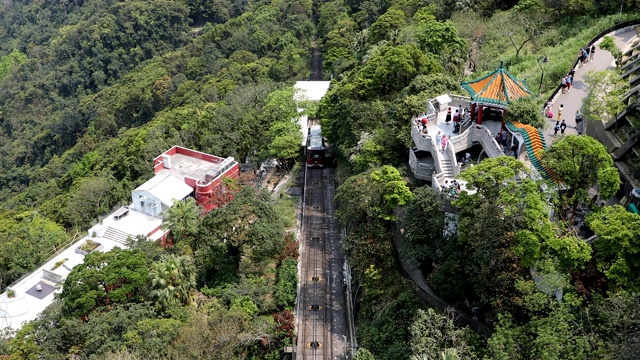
491	94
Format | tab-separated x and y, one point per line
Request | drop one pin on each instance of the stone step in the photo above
116	235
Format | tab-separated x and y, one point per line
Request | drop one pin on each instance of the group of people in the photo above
567	80
441	139
586	55
451	188
457	117
561	124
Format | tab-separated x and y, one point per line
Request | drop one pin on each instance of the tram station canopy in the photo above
496	88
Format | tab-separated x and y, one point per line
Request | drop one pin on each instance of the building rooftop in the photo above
310	90
29	301
190	164
498	87
167	187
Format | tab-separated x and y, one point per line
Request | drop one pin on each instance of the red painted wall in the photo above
211	194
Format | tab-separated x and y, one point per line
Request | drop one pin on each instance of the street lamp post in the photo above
544	59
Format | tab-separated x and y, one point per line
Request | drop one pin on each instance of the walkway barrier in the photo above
534	144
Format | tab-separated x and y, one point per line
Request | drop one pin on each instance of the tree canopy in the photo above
581	162
617	247
103	279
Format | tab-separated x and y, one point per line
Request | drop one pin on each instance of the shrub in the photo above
286	284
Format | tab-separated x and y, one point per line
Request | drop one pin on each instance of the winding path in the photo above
573	100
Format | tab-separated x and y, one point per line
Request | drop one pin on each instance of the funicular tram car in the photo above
316	151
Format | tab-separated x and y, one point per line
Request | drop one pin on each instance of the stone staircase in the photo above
447	169
116	235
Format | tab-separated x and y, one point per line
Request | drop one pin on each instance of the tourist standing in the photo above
569	82
556	128
438	138
593	51
448	118
563	126
560	112
578	122
444	142
563	84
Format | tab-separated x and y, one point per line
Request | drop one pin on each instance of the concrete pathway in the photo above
573	100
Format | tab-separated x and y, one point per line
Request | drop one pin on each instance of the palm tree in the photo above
172	279
449	354
182	219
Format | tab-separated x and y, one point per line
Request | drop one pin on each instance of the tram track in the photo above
321	317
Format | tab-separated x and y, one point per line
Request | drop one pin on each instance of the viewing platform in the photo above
427	160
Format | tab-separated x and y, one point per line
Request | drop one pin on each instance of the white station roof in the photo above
310	90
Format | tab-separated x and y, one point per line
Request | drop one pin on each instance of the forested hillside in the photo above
91	91
90	100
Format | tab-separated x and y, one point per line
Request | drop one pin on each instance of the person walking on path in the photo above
563	84
569	81
438	138
448	118
578	122
444	142
593	51
563	126
556	128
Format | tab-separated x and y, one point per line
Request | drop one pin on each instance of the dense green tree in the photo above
390	69
506	229
285	141
377	192
11	61
617	320
433	333
617	245
363	354
526	110
381	29
222	334
605	100
441	38
581	162
103	279
90	198
248	225
26	240
425	224
554	330
286	284
173	278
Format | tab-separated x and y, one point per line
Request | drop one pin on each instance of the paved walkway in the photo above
573	100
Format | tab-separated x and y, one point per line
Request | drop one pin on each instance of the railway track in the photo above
320	309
